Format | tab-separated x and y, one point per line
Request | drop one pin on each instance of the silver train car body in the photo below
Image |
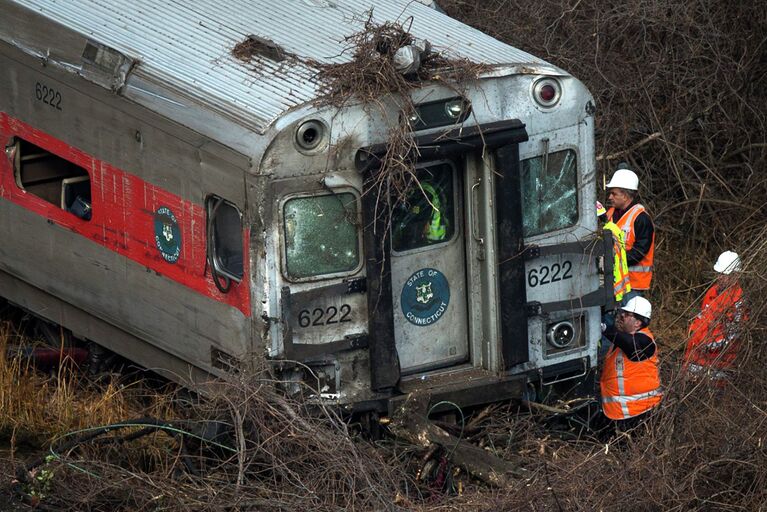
192	211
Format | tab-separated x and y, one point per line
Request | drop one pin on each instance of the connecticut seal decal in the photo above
425	297
167	235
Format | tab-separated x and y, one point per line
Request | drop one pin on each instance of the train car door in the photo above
428	271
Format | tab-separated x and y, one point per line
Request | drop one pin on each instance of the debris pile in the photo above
388	60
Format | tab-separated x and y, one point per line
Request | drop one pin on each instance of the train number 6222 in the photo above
547	274
328	316
48	95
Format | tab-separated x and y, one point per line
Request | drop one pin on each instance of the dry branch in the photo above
410	422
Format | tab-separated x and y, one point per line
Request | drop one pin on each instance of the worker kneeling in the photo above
630	382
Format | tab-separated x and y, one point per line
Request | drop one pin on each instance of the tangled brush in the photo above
376	77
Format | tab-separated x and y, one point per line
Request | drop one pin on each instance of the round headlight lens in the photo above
309	134
561	335
454	109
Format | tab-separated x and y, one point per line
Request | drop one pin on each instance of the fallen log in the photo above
410	422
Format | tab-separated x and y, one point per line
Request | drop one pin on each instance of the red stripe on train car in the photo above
123	216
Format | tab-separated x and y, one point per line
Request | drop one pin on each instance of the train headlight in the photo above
561	334
455	108
547	92
310	134
440	113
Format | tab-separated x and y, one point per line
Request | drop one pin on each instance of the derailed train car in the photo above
193	212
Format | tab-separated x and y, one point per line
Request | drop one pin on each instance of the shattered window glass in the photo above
549	192
426	216
321	235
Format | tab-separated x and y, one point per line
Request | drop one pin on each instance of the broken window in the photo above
225	249
426	216
549	192
50	177
321	235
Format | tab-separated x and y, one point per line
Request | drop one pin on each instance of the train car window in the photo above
321	235
225	250
549	192
51	178
426	216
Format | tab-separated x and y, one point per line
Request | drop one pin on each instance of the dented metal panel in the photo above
185	48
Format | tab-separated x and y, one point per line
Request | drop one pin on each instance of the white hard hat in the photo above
624	178
727	263
639	306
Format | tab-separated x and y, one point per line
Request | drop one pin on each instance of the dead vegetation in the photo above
680	96
373	74
376	78
246	447
35	407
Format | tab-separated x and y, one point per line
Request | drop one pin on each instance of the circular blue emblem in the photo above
167	235
425	297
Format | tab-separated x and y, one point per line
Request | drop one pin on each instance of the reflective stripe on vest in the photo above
621	280
621	287
641	274
621	383
630	398
435	230
629	388
711	373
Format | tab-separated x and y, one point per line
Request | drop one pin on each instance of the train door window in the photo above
321	235
51	178
224	227
549	192
426	215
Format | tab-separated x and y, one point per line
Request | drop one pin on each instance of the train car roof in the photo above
175	55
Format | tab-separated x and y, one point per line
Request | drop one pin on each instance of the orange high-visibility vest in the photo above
641	273
629	388
713	342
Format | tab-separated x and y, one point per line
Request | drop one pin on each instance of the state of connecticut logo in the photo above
167	234
425	297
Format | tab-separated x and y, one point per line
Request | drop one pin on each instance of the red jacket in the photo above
713	334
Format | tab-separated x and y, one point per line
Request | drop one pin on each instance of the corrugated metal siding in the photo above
186	45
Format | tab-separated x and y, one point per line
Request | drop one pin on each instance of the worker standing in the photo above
630	381
712	344
632	218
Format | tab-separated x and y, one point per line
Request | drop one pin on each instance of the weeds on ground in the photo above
36	407
246	446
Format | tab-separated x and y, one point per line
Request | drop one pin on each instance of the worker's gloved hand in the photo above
603	326
601	210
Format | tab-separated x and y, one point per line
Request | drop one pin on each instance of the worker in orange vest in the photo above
712	344
632	218
630	381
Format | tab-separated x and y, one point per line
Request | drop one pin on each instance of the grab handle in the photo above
475	219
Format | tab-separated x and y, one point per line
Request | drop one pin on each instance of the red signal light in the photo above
547	91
